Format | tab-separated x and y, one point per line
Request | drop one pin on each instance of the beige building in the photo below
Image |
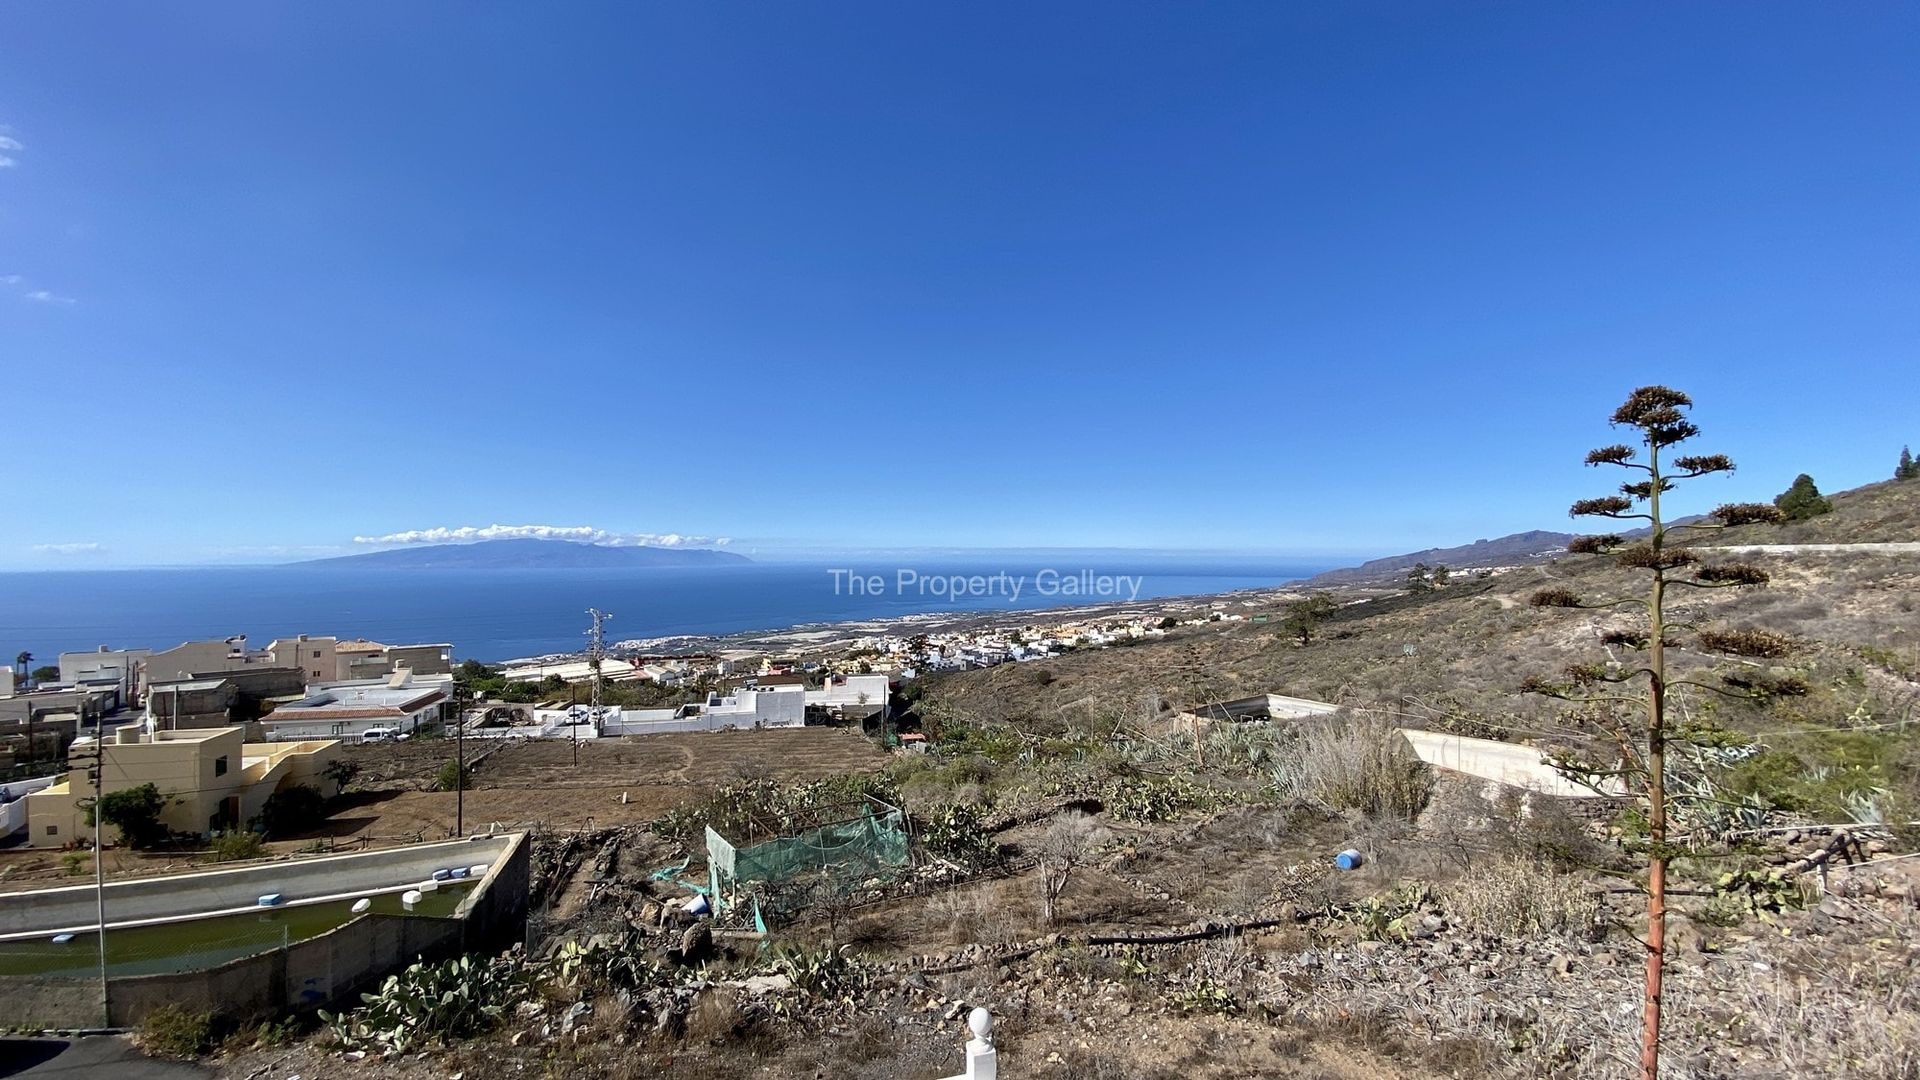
318	657
192	658
363	659
211	779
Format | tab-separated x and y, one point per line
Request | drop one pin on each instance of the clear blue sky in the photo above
1270	277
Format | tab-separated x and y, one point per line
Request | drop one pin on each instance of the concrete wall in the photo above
72	908
1506	763
318	971
199	658
13	810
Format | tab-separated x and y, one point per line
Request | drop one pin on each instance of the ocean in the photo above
503	614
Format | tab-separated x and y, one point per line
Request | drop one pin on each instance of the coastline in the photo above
811	637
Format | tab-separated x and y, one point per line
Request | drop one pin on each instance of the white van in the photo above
379	734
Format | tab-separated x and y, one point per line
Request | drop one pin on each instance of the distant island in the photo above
527	555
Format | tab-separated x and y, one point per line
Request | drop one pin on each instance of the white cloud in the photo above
11	279
7	162
42	296
10	144
87	548
579	533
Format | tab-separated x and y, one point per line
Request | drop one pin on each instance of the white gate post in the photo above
983	1062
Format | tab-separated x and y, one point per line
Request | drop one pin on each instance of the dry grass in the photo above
1519	897
1354	763
1852	1023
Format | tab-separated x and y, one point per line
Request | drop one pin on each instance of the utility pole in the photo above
459	761
596	650
100	880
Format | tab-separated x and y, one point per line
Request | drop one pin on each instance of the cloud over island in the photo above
586	534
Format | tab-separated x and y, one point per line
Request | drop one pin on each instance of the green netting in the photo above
874	844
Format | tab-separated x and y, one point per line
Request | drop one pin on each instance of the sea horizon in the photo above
494	615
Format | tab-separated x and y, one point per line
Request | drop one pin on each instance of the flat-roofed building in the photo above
191	658
402	703
316	656
122	669
209	778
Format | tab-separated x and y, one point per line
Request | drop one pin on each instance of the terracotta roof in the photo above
294	716
360	646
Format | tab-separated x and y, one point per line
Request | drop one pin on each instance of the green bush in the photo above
136	813
291	811
176	1031
452	777
429	1003
236	845
957	832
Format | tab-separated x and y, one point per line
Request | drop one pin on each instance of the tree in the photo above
1659	416
1419	579
1906	470
1302	617
23	661
1802	500
454	776
1069	844
136	813
291	811
341	772
46	674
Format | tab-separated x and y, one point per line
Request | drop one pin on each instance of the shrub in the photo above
293	810
453	777
957	832
236	845
1802	500
1515	897
136	813
430	1003
1354	763
74	862
176	1031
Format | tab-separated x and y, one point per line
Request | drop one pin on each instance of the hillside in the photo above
1884	513
1457	655
527	555
1516	549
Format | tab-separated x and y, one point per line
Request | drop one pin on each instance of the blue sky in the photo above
1260	277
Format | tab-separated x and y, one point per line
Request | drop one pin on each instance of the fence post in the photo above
983	1062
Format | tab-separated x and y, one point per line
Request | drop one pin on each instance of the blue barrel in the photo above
1350	859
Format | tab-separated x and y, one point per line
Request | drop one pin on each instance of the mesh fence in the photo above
873	844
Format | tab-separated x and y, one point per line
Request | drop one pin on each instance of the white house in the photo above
747	707
851	692
404	702
124	669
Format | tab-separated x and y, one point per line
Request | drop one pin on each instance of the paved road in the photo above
95	1056
1890	548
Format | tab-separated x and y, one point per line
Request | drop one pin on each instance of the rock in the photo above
696	945
1562	964
766	984
574	1015
1605	958
1371	947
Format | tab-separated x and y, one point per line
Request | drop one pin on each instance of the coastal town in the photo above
930	541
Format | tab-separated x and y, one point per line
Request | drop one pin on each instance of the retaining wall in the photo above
317	971
73	907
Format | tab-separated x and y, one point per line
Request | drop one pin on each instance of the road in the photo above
90	1057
